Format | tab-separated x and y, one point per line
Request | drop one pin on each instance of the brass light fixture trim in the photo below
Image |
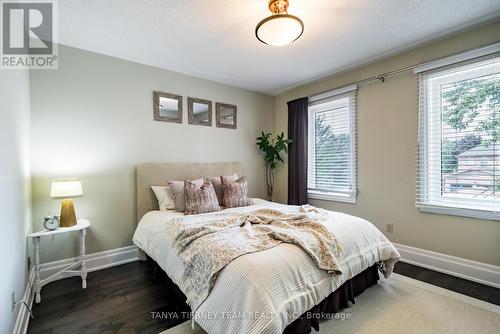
279	10
278	6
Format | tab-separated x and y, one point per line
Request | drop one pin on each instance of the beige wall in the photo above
14	190
93	119
387	143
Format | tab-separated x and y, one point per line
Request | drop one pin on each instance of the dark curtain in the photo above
297	151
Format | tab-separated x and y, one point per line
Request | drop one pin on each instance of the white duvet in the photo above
265	291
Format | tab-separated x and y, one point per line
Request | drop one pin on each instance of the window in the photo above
459	139
332	146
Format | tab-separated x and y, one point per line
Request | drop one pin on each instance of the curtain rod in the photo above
457	57
383	76
378	77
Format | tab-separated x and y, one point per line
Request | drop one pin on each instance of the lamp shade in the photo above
279	30
66	188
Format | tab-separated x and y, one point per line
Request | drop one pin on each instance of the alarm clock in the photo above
51	222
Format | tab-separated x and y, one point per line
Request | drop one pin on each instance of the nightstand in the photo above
75	269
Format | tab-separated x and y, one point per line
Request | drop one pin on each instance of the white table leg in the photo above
36	244
82	259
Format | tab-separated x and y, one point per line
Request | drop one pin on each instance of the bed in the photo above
272	291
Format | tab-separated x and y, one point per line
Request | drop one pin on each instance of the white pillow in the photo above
165	197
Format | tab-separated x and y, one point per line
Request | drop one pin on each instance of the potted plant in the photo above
272	148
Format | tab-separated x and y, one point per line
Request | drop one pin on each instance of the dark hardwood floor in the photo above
121	299
117	300
460	285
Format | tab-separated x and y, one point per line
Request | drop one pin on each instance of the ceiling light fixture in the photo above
280	28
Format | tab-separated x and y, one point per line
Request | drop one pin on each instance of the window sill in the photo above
461	212
333	198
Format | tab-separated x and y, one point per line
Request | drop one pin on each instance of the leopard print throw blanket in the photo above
208	243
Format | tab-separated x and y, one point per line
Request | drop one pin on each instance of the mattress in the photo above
265	291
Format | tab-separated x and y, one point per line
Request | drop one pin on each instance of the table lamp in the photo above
66	189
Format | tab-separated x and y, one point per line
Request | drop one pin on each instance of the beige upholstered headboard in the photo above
158	174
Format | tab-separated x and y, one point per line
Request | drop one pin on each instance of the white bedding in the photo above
265	291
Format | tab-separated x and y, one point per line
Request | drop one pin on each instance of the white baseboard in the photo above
95	261
23	315
471	270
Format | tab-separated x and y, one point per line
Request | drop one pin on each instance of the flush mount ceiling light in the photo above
280	28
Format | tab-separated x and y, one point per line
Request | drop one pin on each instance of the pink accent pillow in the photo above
200	199
177	188
217	183
235	193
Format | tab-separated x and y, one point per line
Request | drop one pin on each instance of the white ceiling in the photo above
215	39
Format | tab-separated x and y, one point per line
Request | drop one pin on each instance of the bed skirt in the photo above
336	301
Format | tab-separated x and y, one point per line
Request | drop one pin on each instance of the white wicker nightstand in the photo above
70	270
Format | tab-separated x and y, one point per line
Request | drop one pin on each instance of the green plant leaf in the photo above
272	148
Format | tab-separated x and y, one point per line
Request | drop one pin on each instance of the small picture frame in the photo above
226	115
199	111
167	107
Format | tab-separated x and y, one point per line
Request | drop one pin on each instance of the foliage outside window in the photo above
331	161
460	138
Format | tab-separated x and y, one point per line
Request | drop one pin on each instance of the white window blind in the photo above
459	139
332	146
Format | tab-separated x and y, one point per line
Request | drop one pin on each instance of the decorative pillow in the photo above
217	183
234	193
177	188
200	199
164	196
